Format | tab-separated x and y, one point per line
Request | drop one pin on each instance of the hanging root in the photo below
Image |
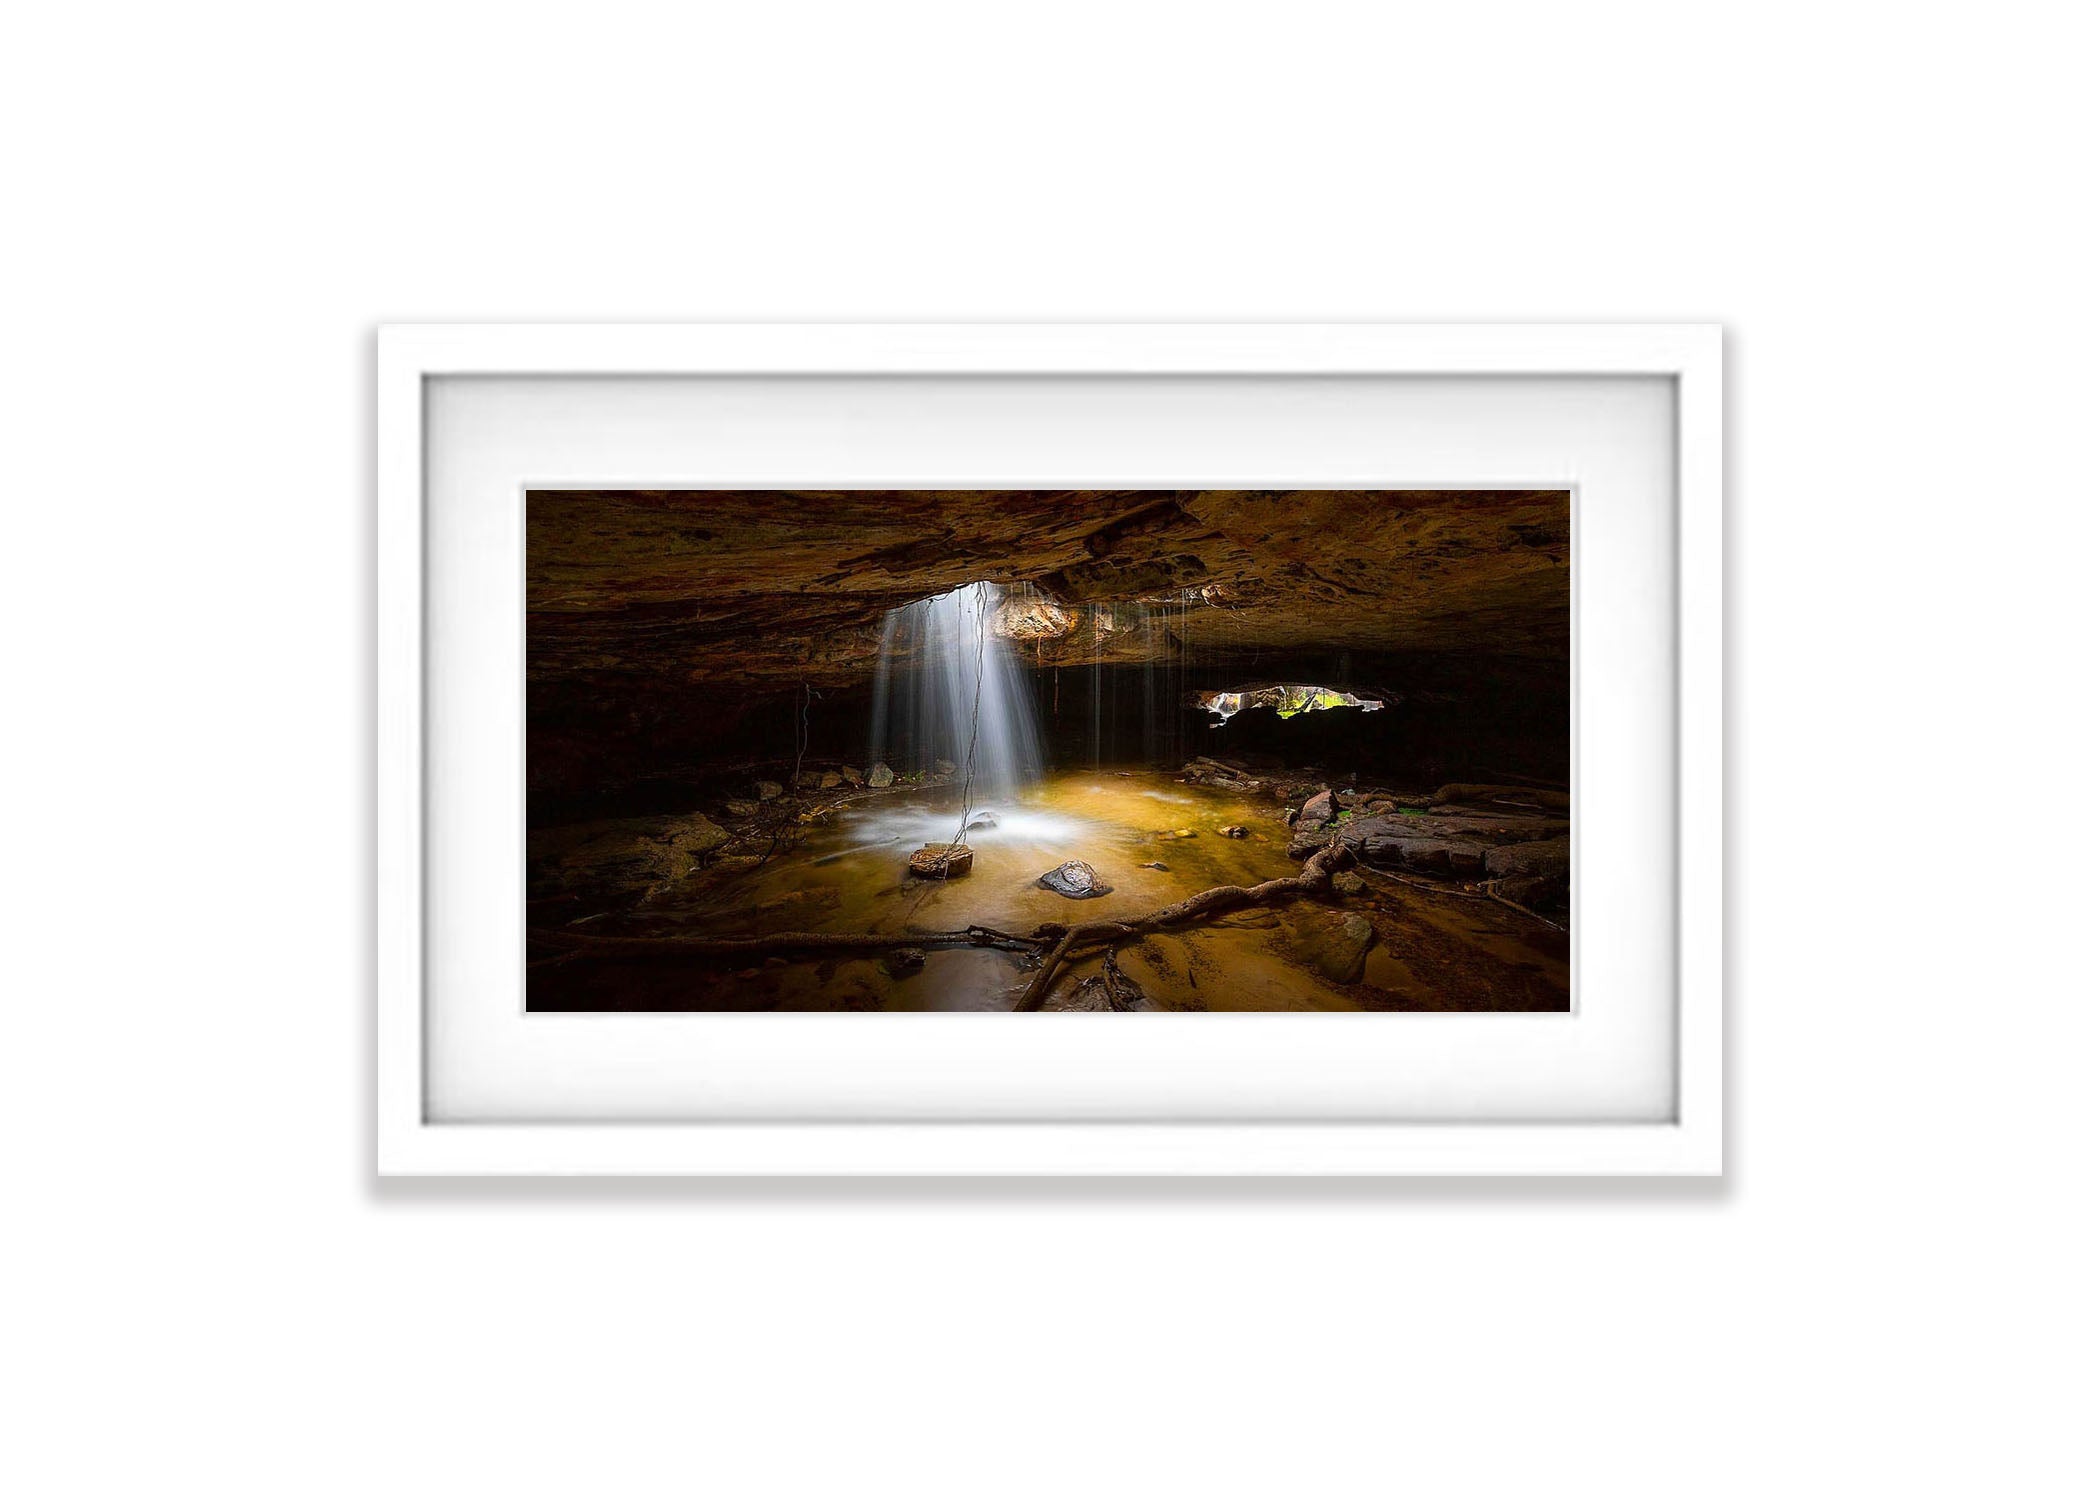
1314	879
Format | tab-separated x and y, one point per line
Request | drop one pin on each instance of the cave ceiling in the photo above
773	587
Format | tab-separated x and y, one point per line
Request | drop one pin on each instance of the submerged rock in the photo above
1151	864
1349	883
1074	878
900	962
1337	946
1175	833
880	775
1233	831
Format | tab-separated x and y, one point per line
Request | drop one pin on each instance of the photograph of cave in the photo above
1048	750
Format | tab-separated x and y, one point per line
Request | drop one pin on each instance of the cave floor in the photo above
1426	950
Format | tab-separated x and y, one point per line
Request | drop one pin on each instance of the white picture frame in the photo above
1686	1141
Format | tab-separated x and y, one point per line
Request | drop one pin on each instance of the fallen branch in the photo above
781	943
1314	879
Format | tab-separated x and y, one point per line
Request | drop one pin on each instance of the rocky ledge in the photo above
1510	841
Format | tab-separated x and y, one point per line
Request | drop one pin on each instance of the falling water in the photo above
948	686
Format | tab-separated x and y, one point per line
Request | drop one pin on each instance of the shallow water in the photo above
849	875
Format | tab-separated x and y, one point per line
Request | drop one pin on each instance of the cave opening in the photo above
815	759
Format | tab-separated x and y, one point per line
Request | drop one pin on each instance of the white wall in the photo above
211	205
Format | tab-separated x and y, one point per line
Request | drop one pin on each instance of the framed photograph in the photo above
1038	749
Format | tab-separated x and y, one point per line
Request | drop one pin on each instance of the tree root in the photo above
584	946
1314	879
1062	941
1483	894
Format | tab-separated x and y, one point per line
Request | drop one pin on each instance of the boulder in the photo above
1533	875
1450	859
1318	809
944	768
880	775
809	781
1336	945
829	780
1074	878
1305	839
852	775
769	790
1541	857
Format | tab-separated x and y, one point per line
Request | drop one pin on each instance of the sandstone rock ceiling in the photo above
774	586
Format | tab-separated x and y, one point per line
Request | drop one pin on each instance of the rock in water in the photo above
880	775
982	820
1233	831
942	861
1151	864
1074	878
1338	949
769	790
903	961
944	768
1318	810
1348	884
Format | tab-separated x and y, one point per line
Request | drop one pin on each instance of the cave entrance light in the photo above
1288	699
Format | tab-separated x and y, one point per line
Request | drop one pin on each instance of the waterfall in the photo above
946	680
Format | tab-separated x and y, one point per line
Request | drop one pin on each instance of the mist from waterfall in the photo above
949	686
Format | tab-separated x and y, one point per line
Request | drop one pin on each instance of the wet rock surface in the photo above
784	586
1335	944
619	852
1074	878
841	869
